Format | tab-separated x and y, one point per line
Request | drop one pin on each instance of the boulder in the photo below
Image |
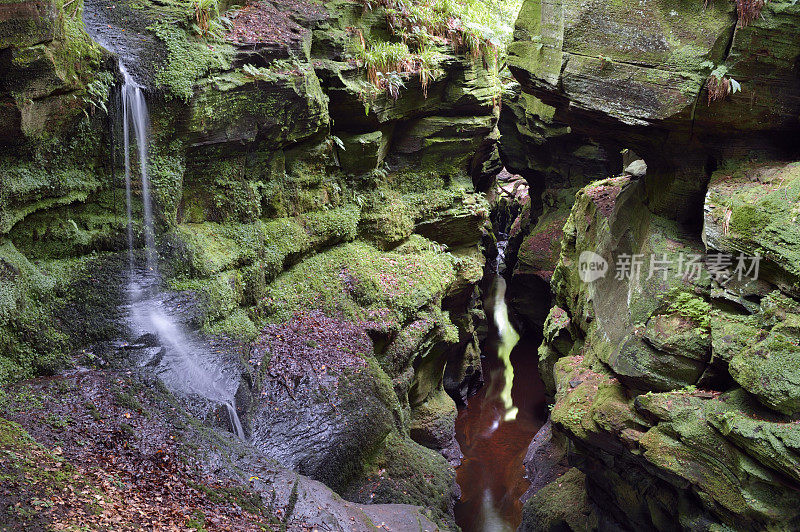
562	504
753	211
636	169
545	460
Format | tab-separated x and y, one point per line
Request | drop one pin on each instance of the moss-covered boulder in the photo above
766	365
562	504
611	220
752	209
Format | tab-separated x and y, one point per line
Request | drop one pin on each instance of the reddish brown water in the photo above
491	474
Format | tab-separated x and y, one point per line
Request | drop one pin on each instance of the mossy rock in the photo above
753	211
770	369
409	473
364	152
686	444
432	423
358	279
27	23
638	65
50	308
773	442
563	504
590	404
77	229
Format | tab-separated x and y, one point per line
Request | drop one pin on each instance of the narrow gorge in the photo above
406	265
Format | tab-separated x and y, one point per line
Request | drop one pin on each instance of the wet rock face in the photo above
657	380
624	67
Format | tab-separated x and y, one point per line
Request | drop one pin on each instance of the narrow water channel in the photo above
497	425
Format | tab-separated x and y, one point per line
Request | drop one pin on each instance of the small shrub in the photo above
720	86
429	71
749	10
694	309
204	12
478	26
97	92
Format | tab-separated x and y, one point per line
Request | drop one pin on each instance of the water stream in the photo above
496	427
182	359
134	112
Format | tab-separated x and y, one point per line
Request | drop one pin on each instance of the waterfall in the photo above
134	111
187	364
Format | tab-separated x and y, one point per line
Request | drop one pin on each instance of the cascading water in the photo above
134	111
185	363
494	430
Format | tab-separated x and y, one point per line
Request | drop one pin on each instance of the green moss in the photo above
694	308
238	326
770	369
598	404
28	187
76	54
166	179
126	398
188	59
220	295
774	443
563	504
29	341
336	225
388	219
99	224
405	198
214	247
685	443
752	209
407	473
358	279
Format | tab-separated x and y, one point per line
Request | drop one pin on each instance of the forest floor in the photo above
92	450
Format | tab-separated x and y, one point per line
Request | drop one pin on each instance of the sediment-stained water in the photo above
494	430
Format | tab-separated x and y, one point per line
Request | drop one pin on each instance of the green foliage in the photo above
429	69
695	309
97	92
237	326
75	53
480	27
259	73
29	343
384	63
204	12
720	85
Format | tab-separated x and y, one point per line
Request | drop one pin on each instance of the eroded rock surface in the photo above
657	377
